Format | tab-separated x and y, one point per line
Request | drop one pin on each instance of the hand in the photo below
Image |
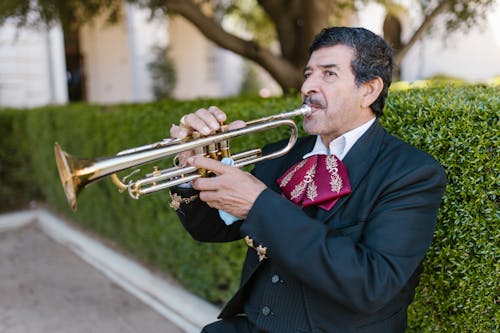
204	121
231	190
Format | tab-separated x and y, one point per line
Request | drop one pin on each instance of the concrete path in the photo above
54	278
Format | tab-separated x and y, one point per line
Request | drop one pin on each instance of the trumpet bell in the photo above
69	168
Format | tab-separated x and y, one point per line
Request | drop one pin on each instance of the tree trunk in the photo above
297	22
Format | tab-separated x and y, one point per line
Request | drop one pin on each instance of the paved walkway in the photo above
55	279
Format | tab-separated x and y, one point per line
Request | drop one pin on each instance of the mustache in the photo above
314	101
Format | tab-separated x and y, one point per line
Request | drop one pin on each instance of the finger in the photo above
206	185
183	157
191	122
209	120
217	113
237	124
216	167
178	132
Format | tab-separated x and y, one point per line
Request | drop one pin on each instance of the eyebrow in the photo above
326	66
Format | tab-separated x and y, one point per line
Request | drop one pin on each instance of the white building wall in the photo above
203	69
116	56
32	67
143	34
195	61
230	72
106	62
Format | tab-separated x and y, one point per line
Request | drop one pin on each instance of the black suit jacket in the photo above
358	264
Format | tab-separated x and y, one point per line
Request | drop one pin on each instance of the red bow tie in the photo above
317	180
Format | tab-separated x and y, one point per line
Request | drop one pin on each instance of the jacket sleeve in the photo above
202	222
362	266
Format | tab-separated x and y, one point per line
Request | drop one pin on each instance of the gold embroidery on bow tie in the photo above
312	191
335	180
290	175
300	187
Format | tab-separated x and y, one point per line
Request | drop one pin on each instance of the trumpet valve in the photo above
199	151
155	172
213	152
224	144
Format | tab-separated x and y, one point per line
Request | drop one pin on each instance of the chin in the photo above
311	127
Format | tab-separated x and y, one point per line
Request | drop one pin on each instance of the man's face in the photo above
334	97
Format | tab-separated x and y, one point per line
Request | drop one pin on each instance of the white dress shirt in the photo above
341	145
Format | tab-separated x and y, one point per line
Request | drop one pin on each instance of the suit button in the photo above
275	278
266	311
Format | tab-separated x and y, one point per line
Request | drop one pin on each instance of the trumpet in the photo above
76	173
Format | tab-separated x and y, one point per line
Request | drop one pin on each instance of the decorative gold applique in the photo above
336	183
300	187
290	175
249	241
335	180
177	200
331	163
312	191
261	250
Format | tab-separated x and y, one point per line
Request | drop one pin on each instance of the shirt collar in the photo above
341	145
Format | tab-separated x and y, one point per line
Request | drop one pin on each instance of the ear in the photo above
371	91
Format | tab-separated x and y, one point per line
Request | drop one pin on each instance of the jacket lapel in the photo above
301	148
358	161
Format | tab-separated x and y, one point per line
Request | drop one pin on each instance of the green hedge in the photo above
458	125
18	186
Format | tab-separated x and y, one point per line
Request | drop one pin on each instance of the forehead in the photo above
338	55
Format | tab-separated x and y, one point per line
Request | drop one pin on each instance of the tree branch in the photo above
422	29
287	75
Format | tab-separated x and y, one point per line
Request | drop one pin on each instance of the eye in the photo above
330	74
307	74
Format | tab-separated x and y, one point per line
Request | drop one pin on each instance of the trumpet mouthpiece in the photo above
306	109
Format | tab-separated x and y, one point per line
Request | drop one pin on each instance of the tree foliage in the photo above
162	72
278	32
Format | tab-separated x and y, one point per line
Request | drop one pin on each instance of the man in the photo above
347	263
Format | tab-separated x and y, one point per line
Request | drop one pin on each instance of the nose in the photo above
309	86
